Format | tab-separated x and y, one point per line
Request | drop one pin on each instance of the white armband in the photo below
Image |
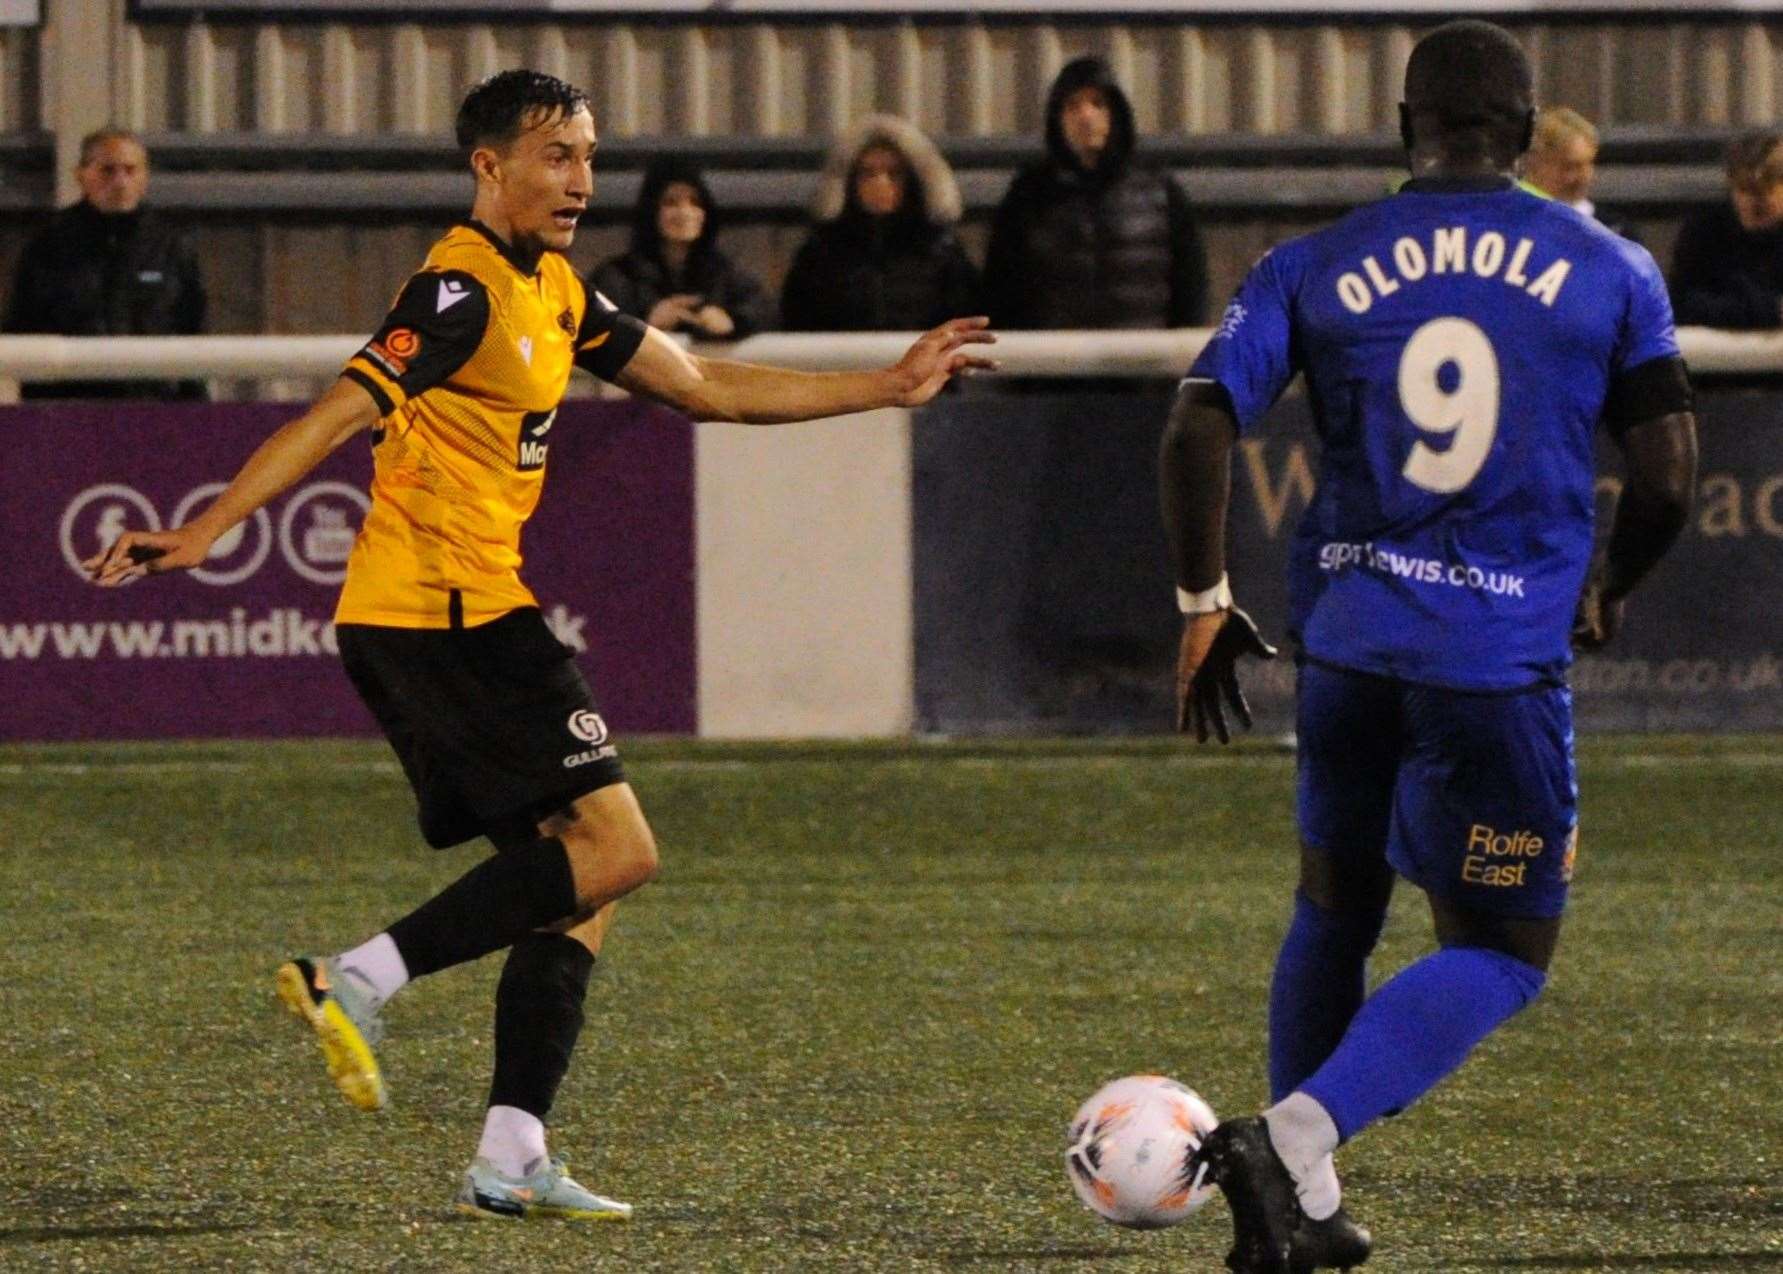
1208	600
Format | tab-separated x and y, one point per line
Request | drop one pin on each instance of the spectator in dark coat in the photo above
108	266
882	256
1087	237
674	276
1727	266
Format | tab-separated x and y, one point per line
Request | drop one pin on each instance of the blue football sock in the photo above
1320	982
1416	1029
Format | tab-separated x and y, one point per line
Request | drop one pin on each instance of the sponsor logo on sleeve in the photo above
393	350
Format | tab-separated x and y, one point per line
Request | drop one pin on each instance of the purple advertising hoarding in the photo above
243	647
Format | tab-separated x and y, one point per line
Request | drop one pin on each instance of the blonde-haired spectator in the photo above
1727	267
1562	164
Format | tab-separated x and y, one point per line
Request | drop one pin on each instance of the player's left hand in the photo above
1598	619
941	354
1207	670
138	553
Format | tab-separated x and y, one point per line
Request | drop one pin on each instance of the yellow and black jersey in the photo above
468	370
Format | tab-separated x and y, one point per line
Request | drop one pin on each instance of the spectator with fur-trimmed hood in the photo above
674	276
1087	237
882	256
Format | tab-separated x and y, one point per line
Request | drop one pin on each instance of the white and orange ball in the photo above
1129	1152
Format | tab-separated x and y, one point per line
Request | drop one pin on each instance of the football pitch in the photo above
845	1028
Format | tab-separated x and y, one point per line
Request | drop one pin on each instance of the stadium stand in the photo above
1273	122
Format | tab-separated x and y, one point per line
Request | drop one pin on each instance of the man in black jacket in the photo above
107	266
1727	267
1086	237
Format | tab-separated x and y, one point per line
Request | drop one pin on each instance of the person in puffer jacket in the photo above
1088	237
882	255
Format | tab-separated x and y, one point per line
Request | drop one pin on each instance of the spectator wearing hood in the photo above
882	256
673	276
1087	237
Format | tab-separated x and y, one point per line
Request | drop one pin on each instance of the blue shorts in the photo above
1471	796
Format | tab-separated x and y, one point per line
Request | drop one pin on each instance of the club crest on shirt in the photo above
567	322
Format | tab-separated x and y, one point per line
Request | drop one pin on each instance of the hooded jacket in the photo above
639	277
91	273
901	272
1106	247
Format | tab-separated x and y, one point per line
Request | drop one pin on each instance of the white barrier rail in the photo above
1101	353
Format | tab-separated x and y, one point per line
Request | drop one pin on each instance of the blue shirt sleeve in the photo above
1647	331
1252	351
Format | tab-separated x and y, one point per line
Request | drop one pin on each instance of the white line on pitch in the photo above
80	769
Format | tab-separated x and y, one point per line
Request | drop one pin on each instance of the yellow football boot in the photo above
345	1022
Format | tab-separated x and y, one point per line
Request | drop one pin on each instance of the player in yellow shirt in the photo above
482	705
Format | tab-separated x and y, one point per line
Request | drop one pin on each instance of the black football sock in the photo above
538	1015
491	906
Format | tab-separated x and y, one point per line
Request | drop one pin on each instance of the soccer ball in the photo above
1129	1152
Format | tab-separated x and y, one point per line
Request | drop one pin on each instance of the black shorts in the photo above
494	725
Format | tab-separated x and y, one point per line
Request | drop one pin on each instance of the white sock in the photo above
377	966
1304	1136
513	1140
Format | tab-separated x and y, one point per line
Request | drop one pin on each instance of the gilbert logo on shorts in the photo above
588	726
590	729
1497	858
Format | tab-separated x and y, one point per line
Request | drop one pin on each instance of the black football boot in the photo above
1336	1243
1272	1235
1243	1163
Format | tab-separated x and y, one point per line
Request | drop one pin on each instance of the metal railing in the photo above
1098	353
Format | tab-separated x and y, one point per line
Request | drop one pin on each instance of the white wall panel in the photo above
805	626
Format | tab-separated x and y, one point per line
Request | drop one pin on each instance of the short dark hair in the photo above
496	111
99	136
1754	157
1473	79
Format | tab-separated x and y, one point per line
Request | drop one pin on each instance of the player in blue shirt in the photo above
1461	341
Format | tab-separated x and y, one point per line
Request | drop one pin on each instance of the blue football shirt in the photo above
1459	341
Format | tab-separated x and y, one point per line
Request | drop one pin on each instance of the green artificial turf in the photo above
845	1028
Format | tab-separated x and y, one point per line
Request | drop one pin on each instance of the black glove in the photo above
1207	669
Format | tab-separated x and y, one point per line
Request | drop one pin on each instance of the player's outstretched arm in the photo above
291	452
718	389
1653	511
1194	488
